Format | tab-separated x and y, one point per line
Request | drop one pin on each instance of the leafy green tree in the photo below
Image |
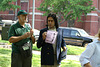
7	4
67	9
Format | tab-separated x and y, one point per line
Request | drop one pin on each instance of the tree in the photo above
67	9
7	4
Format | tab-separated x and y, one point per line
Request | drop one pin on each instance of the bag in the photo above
25	50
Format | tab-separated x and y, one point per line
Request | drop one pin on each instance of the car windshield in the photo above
83	33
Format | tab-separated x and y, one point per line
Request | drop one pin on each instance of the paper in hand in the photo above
51	37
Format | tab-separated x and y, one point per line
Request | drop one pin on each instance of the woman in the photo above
51	53
91	56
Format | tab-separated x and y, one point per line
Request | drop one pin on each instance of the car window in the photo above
83	33
66	32
74	33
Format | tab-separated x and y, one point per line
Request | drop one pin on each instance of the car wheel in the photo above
85	44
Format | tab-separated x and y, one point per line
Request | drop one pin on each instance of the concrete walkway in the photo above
69	57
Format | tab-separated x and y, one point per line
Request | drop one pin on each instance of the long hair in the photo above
54	18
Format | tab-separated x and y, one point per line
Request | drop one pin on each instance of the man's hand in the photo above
44	35
31	35
64	48
27	34
31	31
87	65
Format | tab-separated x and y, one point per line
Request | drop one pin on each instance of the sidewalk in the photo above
69	57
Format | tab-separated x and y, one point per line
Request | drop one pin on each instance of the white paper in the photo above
51	37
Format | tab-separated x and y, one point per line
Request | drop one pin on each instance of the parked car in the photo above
8	22
76	36
1	25
4	23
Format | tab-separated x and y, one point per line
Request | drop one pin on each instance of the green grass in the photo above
70	63
5	57
75	50
35	47
5	60
64	63
72	50
5	41
36	61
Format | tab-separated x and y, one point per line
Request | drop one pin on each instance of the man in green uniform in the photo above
21	37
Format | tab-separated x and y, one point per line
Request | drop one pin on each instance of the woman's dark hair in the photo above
54	18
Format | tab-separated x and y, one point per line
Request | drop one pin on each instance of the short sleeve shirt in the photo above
18	30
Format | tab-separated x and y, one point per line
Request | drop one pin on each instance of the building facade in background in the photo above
91	23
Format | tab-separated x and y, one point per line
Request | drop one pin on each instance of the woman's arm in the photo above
41	39
63	45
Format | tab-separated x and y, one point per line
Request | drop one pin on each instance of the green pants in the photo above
18	61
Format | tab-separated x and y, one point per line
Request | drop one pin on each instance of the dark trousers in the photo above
18	61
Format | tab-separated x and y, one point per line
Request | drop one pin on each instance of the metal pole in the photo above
16	12
33	14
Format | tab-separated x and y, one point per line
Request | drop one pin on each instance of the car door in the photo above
76	38
66	35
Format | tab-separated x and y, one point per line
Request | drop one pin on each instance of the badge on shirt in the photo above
26	46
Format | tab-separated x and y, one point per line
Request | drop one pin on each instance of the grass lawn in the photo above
5	41
65	63
5	60
5	56
75	50
72	50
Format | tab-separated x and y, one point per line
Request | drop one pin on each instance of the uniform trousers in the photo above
18	61
55	63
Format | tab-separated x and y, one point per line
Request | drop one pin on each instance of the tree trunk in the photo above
70	23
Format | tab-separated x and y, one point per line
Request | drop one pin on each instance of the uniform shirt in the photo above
91	54
18	30
54	45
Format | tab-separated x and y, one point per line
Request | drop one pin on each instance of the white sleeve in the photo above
86	55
